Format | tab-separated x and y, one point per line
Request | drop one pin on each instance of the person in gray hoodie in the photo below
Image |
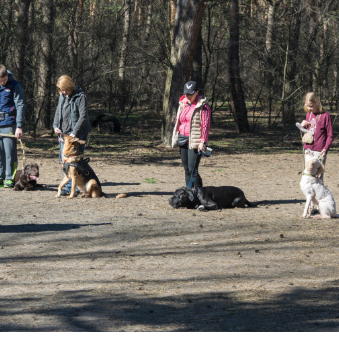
12	112
71	117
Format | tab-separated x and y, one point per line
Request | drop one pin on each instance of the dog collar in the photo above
309	175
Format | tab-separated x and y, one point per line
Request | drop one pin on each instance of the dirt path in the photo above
136	264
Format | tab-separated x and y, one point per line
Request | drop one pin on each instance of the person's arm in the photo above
205	126
56	120
83	115
206	122
19	101
329	132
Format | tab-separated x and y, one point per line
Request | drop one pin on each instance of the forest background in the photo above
132	57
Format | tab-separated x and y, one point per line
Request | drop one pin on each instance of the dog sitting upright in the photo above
315	191
77	169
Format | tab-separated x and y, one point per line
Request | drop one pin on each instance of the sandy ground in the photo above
136	264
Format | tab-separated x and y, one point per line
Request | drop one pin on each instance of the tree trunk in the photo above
187	24
29	84
148	21
173	4
238	105
336	68
22	36
294	35
270	25
269	59
312	4
123	56
5	29
197	63
75	41
43	106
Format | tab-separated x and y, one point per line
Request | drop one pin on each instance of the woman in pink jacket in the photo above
318	122
191	130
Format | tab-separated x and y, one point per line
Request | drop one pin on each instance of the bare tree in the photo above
237	99
187	24
6	22
43	106
21	37
123	56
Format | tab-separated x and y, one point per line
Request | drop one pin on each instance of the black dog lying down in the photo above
210	198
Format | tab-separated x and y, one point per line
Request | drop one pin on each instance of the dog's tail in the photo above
116	196
254	204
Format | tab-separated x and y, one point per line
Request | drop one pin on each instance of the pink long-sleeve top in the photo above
321	125
186	115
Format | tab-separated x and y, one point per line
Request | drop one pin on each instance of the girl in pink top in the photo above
320	123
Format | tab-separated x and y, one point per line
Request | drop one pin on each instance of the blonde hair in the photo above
311	97
65	83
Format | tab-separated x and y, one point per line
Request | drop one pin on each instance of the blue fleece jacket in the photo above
12	102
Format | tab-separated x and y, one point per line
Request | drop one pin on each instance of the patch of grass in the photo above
219	170
219	143
150	181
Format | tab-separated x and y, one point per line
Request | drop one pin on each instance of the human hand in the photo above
201	147
72	135
323	152
305	123
18	133
57	130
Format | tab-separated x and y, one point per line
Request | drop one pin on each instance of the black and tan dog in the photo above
210	198
77	169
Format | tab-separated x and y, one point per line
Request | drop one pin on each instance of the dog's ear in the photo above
81	142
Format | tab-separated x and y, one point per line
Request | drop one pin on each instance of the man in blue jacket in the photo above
12	111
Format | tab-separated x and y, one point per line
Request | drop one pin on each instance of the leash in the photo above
22	147
199	155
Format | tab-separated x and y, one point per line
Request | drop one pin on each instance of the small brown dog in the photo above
77	169
27	178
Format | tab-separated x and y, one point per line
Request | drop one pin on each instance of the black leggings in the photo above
188	158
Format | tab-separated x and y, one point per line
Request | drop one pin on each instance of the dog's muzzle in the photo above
172	202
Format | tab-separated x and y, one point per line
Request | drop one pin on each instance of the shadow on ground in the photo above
299	310
30	228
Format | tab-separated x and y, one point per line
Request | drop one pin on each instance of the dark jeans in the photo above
188	158
68	186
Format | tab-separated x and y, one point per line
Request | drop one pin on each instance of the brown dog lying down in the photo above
27	178
77	169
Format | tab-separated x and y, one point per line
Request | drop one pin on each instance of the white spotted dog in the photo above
315	191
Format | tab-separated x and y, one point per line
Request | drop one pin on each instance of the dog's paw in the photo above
201	208
70	197
57	196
